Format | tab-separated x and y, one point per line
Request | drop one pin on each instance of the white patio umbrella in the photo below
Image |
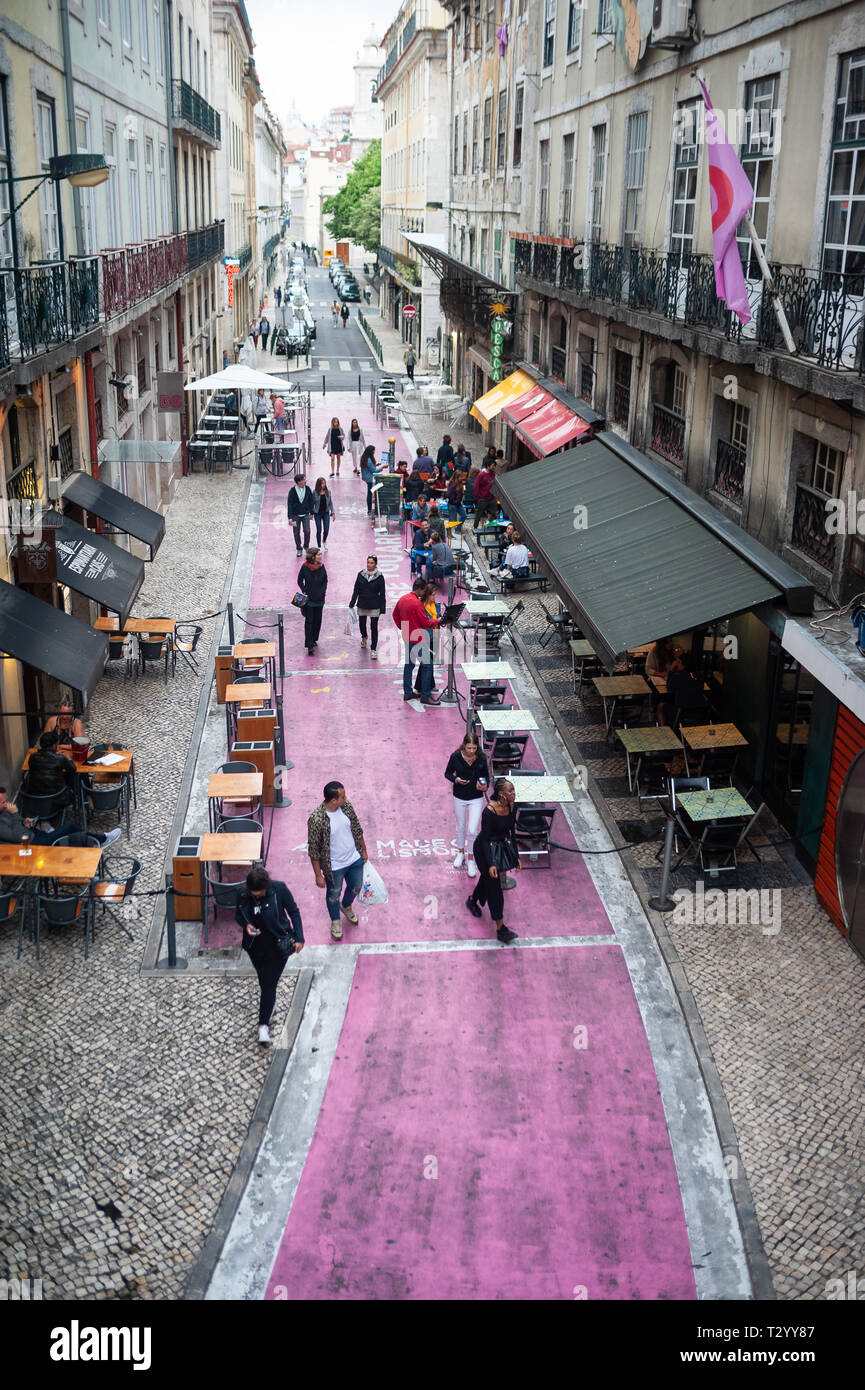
241	378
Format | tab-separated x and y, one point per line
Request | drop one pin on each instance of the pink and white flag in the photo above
732	196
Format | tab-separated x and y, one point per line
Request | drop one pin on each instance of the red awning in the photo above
543	422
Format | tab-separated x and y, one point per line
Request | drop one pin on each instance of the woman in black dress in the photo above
312	581
334	443
495	851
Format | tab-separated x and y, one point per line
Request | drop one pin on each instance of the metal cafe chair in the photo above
557	625
186	639
507	752
99	800
154	649
533	828
116	887
74	909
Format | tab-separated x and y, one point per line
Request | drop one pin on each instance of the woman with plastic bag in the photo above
369	596
495	852
272	933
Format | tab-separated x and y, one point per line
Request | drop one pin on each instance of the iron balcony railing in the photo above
826	311
48	304
668	433
730	471
270	246
206	244
133	273
191	107
22	485
244	256
810	534
558	362
386	257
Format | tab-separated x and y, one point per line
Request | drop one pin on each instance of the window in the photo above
157	38
206	95
484	250
586	367
134	196
85	196
103	11
567	184
163	188
819	469
844	237
740	426
144	29
491	23
502	132
180	46
465	142
150	188
635	174
456	160
112	191
677	391
497	255
575	14
757	156
549	31
686	138
488	133
599	173
543	186
48	207
7	244
621	387
519	93
126	22
605	17
467	28
475	140
559	348
731	455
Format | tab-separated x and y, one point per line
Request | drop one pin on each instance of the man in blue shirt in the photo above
423	463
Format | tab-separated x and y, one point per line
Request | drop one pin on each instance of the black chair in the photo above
11	905
222	453
532	830
116	887
117	651
236	767
507	752
221	892
186	639
155	649
100	800
67	910
677	786
719	764
197	452
692	718
250	678
558	625
483	695
39	808
652	776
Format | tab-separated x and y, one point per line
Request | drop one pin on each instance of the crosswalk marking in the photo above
325	366
344	365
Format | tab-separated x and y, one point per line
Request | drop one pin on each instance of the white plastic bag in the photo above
373	891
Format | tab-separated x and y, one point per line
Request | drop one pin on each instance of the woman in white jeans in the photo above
469	773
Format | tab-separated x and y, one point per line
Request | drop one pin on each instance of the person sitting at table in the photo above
441	562
412	487
13	828
516	562
420	509
660	657
437	481
421	542
462	460
684	690
455	495
445	455
50	773
402	470
423	462
65	724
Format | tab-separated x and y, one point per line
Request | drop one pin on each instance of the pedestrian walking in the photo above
445	455
409	359
264	325
368	467
277	406
279	296
322	510
260	409
486	505
247	411
334	443
469	773
254	331
272	934
495	850
300	504
356	443
334	313
344	312
416	627
226	360
336	848
312	581
369	598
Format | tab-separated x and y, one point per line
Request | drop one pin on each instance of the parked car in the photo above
348	290
309	324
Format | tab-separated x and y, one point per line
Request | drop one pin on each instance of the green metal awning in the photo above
635	554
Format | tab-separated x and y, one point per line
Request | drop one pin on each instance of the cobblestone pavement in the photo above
124	1100
784	1016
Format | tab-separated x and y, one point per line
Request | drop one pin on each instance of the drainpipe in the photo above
178	314
70	123
169	111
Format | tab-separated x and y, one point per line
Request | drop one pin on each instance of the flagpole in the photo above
770	285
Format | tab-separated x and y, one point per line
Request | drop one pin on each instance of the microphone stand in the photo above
450	695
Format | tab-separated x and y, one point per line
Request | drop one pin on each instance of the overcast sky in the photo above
305	50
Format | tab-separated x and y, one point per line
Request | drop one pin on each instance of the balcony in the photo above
668	434
244	256
809	527
206	244
46	305
22	485
190	107
730	471
133	273
270	246
825	311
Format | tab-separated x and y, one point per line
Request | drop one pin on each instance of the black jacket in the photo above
277	909
368	593
49	773
313	583
458	767
300	506
445	455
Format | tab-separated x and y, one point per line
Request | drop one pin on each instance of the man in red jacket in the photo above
414	623
484	493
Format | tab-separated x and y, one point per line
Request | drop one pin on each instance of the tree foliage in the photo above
354	213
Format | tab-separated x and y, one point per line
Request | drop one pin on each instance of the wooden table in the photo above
721	803
250	693
233	786
256	651
162	627
648	740
240	849
51	861
539	789
701	738
612	688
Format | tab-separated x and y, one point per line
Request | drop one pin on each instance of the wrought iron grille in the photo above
809	527
570	270
83	293
522	257
64	447
22	485
730	471
190	106
668	434
43	307
558	361
545	262
244	255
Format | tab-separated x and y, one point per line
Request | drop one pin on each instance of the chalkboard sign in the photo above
389	496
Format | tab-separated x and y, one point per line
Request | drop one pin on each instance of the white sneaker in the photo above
459	861
264	1034
374	655
471	867
112	837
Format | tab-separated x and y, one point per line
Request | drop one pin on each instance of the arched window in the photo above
558	346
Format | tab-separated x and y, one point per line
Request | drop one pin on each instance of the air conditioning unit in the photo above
671	21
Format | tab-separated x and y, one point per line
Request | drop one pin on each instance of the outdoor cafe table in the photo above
249	693
581	651
233	786
159	626
540	789
68	862
244	848
612	688
256	651
704	737
650	740
101	772
487	608
721	803
487	671
506	721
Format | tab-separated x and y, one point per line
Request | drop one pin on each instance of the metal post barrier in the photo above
173	961
323	384
359	392
663	903
230	607
281	624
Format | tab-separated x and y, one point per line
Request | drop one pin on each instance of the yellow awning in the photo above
487	407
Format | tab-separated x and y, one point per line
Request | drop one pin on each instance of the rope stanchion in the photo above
173	961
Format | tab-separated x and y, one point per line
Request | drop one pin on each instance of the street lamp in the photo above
82	171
